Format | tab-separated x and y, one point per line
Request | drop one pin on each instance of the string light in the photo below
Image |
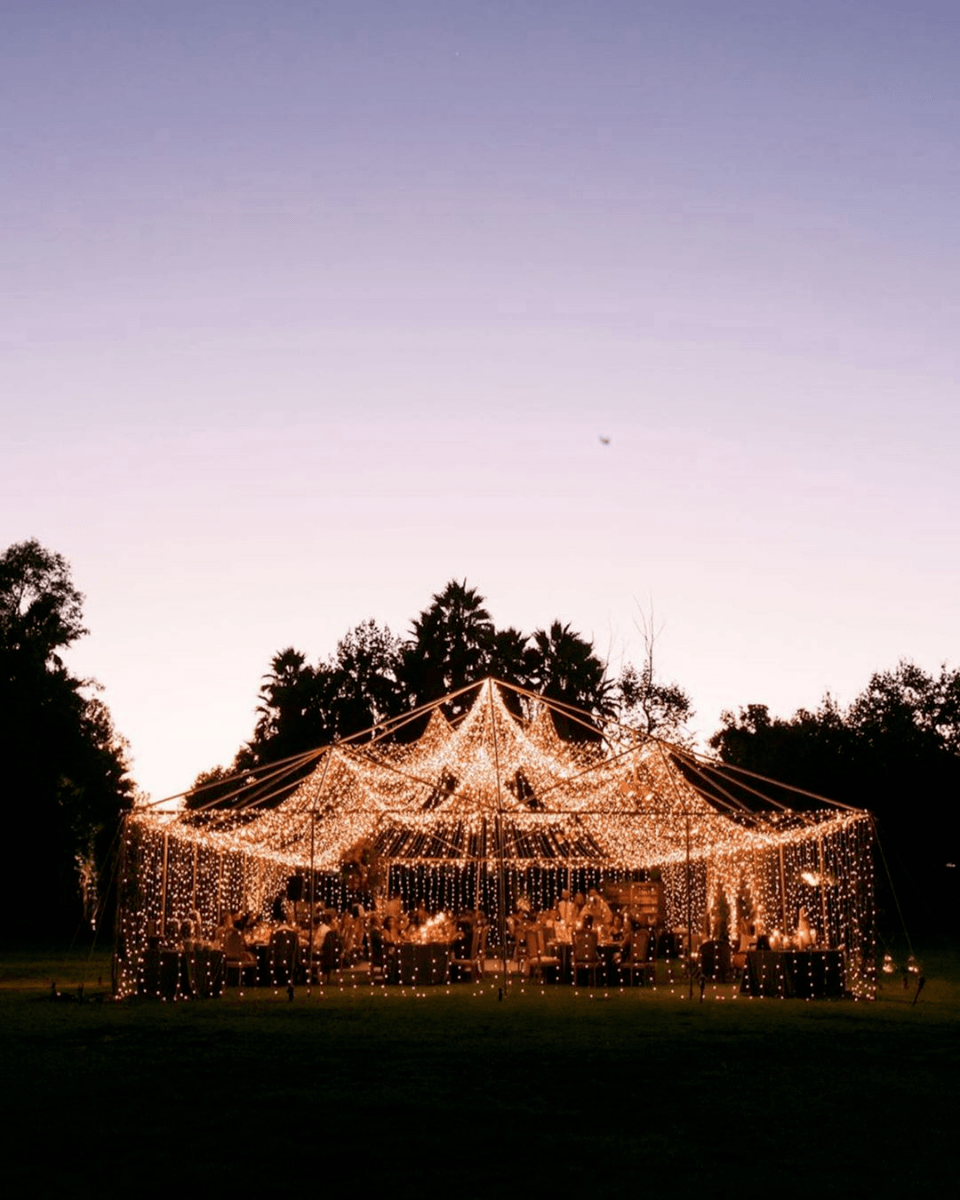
438	819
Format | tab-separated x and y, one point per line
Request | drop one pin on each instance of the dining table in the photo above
806	974
415	963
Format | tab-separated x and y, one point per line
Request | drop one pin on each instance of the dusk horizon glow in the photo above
311	311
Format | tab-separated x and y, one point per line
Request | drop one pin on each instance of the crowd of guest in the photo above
334	939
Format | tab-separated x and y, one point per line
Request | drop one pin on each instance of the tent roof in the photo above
500	782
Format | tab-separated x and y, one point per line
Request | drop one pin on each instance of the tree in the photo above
907	708
294	710
812	750
366	688
565	668
894	752
373	677
41	612
657	709
451	646
643	702
65	768
512	659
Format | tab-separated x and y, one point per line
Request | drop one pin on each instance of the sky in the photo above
310	308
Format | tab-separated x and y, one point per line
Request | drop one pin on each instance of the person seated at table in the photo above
197	921
517	936
806	936
391	932
476	919
585	945
612	931
321	927
746	935
351	931
463	944
567	910
548	921
597	908
623	930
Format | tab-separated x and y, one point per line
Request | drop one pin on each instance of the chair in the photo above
640	962
331	953
585	956
236	957
472	965
537	960
715	960
517	941
282	956
378	959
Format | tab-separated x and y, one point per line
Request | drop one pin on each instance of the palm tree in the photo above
451	645
292	715
565	668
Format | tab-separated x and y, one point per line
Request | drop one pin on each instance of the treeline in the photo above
895	751
64	776
374	676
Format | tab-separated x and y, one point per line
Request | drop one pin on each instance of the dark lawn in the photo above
359	1090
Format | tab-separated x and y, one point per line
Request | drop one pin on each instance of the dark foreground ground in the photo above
359	1091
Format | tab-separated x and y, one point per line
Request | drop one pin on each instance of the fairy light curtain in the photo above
499	793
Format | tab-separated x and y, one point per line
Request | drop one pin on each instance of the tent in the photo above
477	811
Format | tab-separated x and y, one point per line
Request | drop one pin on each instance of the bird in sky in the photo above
605	440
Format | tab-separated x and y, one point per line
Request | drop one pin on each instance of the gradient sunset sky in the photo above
308	308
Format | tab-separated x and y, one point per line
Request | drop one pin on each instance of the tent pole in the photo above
313	893
163	889
823	894
689	910
783	892
502	899
313	878
119	937
501	882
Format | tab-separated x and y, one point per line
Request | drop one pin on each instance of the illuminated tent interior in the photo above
492	805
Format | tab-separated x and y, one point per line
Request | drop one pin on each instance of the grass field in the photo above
361	1090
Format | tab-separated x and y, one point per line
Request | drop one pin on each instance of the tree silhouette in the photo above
294	711
894	752
365	676
451	646
658	709
565	668
64	767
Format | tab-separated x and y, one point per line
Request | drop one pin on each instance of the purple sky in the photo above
308	308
